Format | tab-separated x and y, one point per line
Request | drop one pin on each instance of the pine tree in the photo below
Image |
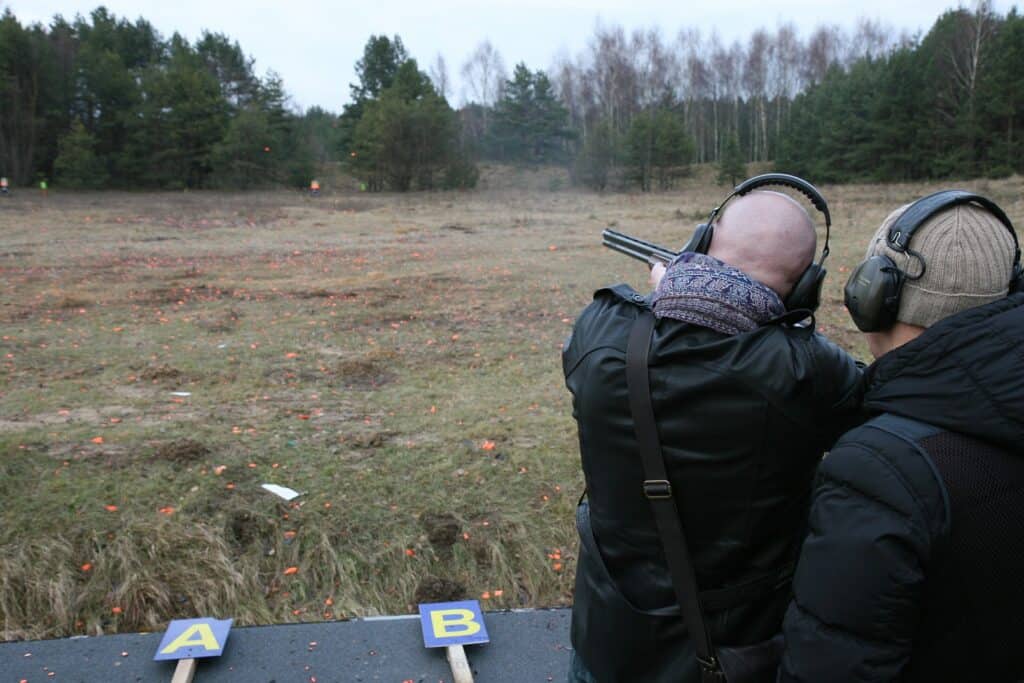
407	136
657	149
597	157
382	57
77	165
732	167
529	124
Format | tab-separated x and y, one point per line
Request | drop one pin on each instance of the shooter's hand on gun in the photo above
655	256
657	272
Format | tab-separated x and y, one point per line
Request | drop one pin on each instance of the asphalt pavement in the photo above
525	645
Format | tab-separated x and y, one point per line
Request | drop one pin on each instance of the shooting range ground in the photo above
394	359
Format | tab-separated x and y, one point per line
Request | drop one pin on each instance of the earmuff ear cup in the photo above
701	240
806	293
1015	280
872	294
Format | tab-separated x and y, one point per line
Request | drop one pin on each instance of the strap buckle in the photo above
655	489
710	670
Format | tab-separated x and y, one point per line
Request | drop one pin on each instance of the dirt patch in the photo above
318	293
109	455
91	416
368	440
246	529
160	373
79	373
225	322
442	530
365	373
459	228
181	451
436	589
291	375
70	302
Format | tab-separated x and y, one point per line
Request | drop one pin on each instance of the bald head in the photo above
768	236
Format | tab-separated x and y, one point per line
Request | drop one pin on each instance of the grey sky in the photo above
313	44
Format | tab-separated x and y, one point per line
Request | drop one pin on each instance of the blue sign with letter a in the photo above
452	623
193	638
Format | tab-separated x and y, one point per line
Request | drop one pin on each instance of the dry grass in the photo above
393	358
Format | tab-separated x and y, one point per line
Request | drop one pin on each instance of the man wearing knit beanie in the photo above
968	254
911	567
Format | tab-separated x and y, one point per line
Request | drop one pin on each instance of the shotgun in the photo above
648	252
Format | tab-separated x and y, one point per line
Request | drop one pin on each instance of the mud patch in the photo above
90	416
181	451
225	322
437	589
289	376
79	373
442	530
318	293
112	456
459	228
160	373
72	302
369	440
365	373
245	528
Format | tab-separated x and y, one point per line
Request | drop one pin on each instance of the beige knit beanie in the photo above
969	257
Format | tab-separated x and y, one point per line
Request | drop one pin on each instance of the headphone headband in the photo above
904	227
785	180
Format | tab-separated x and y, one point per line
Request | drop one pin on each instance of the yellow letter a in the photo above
196	634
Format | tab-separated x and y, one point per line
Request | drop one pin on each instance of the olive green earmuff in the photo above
872	293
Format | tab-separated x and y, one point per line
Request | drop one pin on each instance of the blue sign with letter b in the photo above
452	623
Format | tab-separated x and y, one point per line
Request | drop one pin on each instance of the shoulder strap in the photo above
658	491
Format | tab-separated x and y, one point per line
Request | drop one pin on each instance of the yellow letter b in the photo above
452	623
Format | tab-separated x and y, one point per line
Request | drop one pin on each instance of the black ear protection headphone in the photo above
872	293
806	294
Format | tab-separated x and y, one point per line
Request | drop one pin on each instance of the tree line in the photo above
102	101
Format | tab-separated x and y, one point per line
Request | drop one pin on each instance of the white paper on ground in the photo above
181	393
282	491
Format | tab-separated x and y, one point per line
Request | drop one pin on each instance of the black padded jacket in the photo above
743	422
913	568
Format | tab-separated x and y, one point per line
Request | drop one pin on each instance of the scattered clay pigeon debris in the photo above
282	491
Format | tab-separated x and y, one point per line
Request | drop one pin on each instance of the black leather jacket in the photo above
743	422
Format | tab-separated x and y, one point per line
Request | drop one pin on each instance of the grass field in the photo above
393	358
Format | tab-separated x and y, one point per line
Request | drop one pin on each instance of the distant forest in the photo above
101	101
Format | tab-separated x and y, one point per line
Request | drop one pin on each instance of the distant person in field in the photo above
913	569
746	403
43	187
314	188
4	189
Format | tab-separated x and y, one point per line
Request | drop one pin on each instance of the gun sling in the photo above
749	663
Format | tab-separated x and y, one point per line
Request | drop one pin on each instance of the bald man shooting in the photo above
745	401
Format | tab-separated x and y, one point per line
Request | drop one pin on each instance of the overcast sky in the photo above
313	44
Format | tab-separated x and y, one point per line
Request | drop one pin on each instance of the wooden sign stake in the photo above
458	662
185	671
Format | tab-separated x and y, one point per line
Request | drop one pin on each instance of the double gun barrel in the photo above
648	252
